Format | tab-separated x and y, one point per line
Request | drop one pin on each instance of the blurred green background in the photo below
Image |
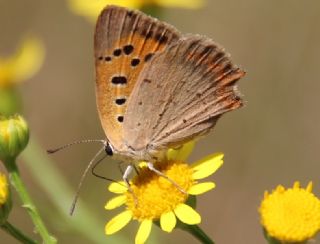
274	139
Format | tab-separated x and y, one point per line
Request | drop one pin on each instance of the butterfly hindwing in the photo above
180	94
125	41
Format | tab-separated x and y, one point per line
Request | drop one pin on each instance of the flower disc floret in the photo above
157	195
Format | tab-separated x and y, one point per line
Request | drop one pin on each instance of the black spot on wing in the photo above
161	38
108	59
147	81
119	80
120	119
117	52
135	62
149	35
148	57
120	101
128	49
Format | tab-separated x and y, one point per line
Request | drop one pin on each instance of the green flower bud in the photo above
14	136
5	199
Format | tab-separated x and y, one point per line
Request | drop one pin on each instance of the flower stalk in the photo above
19	186
16	233
197	232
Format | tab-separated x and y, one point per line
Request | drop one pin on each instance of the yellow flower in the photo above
91	9
291	215
4	191
23	64
155	198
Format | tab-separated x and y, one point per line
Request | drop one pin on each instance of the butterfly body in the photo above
156	88
133	156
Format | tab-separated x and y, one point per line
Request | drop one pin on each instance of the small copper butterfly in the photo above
155	87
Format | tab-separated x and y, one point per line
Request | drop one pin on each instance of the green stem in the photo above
17	183
84	221
269	239
197	232
16	233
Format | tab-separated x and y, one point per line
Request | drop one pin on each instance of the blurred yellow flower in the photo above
155	198
291	215
23	64
5	199
4	189
91	9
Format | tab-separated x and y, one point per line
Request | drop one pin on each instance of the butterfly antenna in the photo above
73	143
75	199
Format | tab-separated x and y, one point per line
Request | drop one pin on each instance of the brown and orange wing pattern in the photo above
186	89
125	40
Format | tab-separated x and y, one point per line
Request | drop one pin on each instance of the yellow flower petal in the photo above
182	153
118	222
92	9
201	188
115	202
192	4
207	166
202	163
309	187
187	214
118	187
143	231
168	221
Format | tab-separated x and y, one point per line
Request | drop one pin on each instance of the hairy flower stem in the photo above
16	233
19	186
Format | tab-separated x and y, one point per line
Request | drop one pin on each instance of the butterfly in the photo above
155	87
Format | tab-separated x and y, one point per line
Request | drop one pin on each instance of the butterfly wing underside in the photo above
181	94
125	41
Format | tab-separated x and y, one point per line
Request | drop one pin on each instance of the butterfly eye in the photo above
108	149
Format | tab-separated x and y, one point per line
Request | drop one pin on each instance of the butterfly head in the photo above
108	148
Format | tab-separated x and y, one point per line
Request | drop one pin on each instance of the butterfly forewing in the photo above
180	94
125	41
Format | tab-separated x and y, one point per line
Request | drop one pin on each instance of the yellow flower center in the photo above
154	195
291	215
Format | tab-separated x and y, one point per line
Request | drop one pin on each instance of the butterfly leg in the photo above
126	174
152	168
125	178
